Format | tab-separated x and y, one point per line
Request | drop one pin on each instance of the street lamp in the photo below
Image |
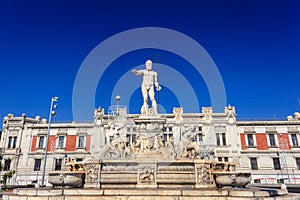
52	112
283	146
118	98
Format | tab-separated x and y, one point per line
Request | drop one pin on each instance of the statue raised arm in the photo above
149	81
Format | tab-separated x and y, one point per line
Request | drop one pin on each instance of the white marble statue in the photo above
149	81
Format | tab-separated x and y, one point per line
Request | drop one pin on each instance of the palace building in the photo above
269	150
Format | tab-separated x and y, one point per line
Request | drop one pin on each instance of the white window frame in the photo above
220	134
253	137
35	165
198	138
10	142
297	138
39	139
61	166
257	161
58	143
84	140
275	139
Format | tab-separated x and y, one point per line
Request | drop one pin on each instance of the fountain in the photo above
148	167
72	177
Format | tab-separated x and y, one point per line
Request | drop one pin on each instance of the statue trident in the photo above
149	81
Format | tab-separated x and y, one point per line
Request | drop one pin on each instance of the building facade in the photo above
270	150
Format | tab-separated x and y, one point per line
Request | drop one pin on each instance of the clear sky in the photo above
254	44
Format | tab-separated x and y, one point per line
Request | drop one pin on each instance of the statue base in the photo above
145	193
150	119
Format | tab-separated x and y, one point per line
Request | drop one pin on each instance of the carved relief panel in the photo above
146	176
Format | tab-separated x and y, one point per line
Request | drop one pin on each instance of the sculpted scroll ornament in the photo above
98	114
178	114
207	112
230	112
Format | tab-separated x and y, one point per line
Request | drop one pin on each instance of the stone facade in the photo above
268	149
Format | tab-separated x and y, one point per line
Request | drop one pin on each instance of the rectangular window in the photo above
128	140
14	142
170	129
256	180
58	164
9	143
128	129
281	180
105	140
218	139
250	140
200	139
220	159
134	129
79	159
165	140
224	139
199	128
41	142
61	141
298	163
294	139
81	141
272	140
225	159
253	162
171	139
37	165
7	163
276	164
133	136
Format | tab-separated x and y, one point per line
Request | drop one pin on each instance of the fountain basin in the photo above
231	179
71	179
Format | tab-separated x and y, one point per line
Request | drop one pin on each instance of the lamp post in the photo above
52	112
118	98
283	146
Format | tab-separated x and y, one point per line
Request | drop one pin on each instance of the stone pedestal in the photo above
92	176
203	175
150	119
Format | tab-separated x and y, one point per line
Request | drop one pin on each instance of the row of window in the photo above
61	143
37	164
12	142
276	163
58	163
271	139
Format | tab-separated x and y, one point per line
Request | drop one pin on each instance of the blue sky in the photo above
255	45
